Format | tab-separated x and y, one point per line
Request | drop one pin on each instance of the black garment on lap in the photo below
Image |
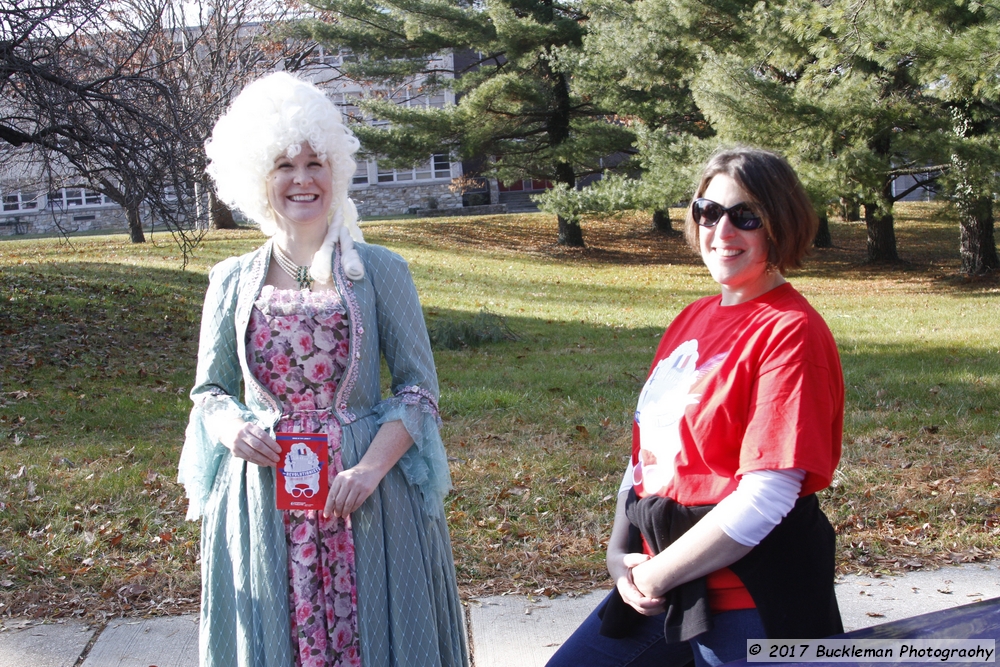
789	574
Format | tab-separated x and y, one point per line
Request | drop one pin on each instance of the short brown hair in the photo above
775	193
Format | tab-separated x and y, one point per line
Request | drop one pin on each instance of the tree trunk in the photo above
219	214
570	232
557	127
823	238
881	234
850	210
978	245
880	223
662	223
134	218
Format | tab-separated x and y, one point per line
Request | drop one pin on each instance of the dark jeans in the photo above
725	642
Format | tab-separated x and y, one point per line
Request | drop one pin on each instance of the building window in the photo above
439	166
20	201
417	96
349	111
386	175
75	197
334	57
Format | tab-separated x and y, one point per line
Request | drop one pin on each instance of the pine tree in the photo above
516	103
838	88
639	60
962	72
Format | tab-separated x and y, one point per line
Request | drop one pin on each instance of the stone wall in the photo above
486	209
397	199
381	200
46	221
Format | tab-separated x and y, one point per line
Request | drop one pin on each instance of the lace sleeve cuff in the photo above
203	453
425	464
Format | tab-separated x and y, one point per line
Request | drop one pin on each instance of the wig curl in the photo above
271	117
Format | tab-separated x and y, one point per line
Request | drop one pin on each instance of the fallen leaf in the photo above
132	590
875	614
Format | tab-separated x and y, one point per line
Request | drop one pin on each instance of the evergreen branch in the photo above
916	171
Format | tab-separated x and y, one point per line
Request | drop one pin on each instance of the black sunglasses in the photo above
707	213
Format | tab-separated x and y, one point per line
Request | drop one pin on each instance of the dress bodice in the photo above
297	344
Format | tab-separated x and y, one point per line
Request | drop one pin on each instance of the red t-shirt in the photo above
756	386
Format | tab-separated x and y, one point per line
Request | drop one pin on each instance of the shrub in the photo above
455	334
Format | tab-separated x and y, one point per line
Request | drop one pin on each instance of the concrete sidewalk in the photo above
505	631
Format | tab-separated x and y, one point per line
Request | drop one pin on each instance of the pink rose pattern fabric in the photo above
298	349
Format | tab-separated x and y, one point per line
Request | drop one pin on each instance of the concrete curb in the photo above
505	631
56	645
170	641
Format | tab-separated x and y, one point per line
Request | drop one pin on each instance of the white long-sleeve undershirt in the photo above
761	500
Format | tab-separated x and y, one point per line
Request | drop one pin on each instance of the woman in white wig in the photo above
300	324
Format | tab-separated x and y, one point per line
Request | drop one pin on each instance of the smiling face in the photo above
300	188
736	259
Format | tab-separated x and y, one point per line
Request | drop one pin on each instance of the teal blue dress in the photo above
409	613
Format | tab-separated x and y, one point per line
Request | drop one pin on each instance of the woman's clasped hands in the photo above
627	588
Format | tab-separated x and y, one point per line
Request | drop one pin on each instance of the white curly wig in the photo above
271	117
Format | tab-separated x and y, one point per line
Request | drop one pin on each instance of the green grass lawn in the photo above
100	340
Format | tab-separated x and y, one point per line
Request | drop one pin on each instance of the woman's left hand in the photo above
349	489
641	578
635	598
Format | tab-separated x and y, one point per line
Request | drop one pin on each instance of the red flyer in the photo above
303	479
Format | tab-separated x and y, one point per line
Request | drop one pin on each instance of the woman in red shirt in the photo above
718	536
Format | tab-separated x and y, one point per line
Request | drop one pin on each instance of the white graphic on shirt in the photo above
661	406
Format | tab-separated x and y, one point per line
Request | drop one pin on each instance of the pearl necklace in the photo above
299	274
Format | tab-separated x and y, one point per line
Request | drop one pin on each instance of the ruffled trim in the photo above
351	373
203	453
426	464
244	306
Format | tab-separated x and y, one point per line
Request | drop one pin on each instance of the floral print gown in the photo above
297	345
